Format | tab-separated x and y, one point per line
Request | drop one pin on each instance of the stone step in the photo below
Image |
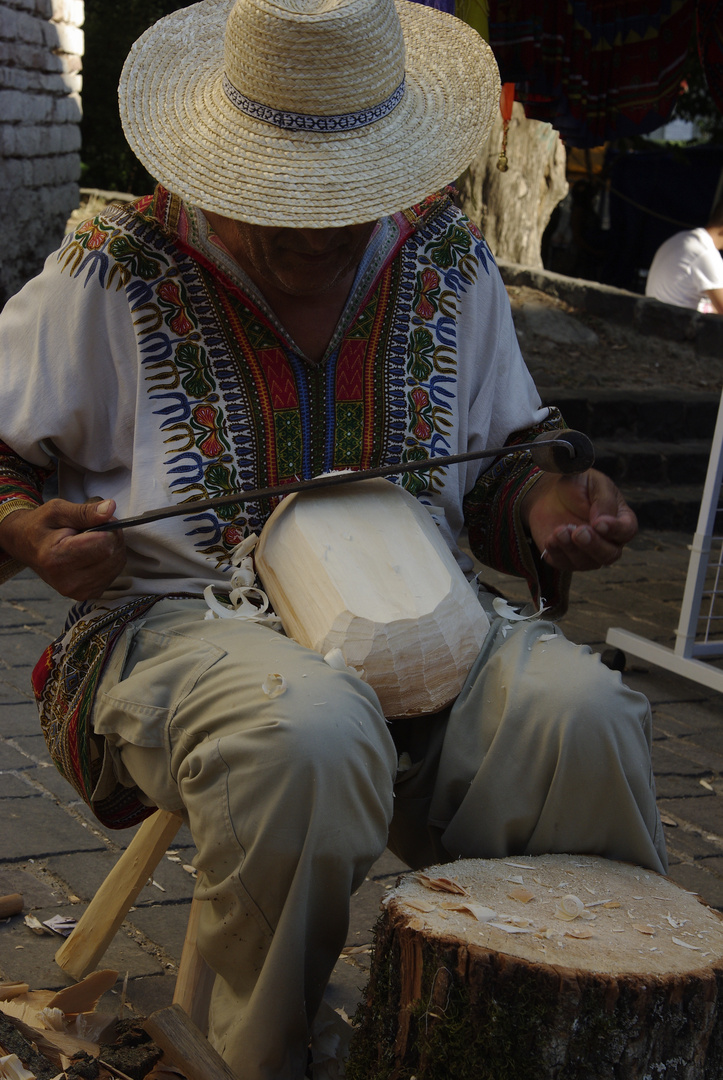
634	461
667	508
637	414
654	444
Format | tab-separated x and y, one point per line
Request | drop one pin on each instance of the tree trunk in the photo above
513	208
564	967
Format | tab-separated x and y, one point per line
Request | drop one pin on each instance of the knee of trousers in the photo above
566	690
315	762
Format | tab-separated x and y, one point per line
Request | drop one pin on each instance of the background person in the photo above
687	270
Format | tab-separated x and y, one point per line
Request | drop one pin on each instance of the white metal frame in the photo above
699	619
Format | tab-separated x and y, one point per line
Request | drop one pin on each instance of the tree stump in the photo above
533	968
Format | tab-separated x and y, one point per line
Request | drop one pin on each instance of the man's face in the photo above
299	262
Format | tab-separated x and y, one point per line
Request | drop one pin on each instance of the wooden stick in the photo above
12	904
185	1046
79	953
195	979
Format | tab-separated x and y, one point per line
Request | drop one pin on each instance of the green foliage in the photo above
696	103
111	27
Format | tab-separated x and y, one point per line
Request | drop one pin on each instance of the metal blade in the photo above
573	446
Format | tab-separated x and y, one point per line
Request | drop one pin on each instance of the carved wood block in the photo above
364	569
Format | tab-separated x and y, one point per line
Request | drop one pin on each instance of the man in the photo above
276	310
687	270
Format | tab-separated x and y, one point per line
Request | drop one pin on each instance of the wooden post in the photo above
80	953
540	968
185	1046
195	979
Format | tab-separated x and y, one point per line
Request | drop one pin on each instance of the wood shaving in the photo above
441	884
686	945
571	907
675	923
522	894
477	911
420	905
582	932
644	929
274	685
510	929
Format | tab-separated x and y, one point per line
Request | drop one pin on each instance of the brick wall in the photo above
41	48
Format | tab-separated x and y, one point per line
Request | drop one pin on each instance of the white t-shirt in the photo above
684	268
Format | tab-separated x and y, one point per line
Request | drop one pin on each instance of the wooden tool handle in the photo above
12	904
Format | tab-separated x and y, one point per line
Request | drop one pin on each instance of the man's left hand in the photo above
578	522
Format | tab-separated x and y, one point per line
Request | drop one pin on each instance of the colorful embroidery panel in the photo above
237	408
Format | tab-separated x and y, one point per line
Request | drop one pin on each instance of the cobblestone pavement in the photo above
56	854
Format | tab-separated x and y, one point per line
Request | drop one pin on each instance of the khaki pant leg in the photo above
288	800
545	750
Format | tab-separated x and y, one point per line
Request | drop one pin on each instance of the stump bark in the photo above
480	973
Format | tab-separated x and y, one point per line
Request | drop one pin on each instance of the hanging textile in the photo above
595	69
474	12
440	5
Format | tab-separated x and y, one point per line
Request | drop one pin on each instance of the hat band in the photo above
305	121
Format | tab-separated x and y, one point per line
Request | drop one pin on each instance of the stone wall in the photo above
41	46
641	313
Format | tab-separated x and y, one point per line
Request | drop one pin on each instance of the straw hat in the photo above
308	113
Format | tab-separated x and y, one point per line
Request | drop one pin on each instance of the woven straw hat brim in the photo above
183	128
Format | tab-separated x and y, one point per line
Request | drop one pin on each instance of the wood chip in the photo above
35	925
85	995
643	928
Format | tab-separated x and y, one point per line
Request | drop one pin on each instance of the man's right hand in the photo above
52	541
